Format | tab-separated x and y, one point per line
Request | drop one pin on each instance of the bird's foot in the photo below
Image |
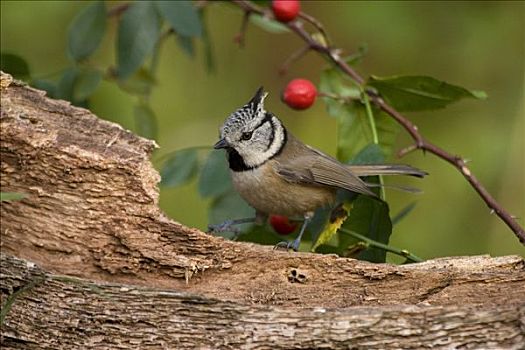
288	245
226	226
230	226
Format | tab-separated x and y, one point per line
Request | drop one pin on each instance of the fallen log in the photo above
89	260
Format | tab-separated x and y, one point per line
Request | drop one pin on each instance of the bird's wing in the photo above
316	168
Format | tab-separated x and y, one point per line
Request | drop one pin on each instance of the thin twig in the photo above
239	38
340	98
409	149
316	24
420	142
293	58
117	10
371	243
375	137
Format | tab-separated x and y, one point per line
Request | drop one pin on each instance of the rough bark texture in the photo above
136	279
85	314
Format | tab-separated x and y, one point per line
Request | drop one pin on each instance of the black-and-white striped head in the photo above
251	135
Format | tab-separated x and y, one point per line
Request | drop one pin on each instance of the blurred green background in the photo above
478	45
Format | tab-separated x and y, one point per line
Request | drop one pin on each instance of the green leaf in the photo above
179	168
318	224
11	196
186	43
138	32
86	83
208	49
369	217
182	17
418	93
140	83
269	25
215	177
387	131
14	65
48	86
145	121
226	207
371	154
86	31
66	84
76	85
356	57
334	83
333	222
354	131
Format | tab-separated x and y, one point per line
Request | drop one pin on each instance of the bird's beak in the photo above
222	143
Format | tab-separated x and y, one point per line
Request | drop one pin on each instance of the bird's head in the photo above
252	135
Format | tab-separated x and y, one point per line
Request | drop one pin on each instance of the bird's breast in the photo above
269	193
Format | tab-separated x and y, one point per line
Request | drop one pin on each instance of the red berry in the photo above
286	10
299	94
282	225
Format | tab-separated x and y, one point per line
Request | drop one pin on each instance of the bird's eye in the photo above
246	135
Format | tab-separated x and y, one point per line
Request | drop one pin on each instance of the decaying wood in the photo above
86	314
112	271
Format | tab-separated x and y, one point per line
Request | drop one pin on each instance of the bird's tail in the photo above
386	169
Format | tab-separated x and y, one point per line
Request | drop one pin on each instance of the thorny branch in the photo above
420	142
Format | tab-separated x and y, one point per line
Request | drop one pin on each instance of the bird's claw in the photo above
288	245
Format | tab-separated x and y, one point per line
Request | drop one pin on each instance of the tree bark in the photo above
89	260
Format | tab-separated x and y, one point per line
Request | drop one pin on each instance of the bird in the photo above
278	174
